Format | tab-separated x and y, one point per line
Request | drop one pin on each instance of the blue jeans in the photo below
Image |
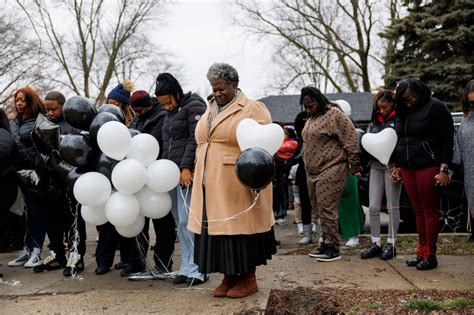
186	238
35	232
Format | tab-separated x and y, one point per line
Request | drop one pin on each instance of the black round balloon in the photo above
99	120
73	175
134	132
255	168
114	110
79	112
105	165
45	135
77	150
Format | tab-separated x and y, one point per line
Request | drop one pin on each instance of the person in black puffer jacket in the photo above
28	106
59	215
8	183
179	146
149	119
423	153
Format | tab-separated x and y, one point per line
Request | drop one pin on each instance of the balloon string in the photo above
74	240
221	221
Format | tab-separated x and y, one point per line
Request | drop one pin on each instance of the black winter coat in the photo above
151	123
425	136
7	151
28	157
179	144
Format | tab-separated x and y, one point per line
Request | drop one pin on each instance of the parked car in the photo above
453	202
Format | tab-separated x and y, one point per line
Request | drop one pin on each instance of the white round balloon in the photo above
380	145
132	230
92	189
345	106
122	209
251	134
94	215
162	175
144	148
154	205
128	176
114	140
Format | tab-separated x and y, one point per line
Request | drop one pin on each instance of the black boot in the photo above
429	258
419	256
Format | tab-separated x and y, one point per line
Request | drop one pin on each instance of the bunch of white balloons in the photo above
141	183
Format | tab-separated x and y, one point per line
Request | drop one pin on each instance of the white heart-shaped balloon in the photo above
250	134
380	145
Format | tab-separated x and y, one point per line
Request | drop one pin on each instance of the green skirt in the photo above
351	215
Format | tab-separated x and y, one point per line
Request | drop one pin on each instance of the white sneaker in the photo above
300	228
353	241
305	241
21	259
280	221
35	258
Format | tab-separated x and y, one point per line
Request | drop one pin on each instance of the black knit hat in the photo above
166	84
140	98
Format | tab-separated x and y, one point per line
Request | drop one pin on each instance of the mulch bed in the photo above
304	300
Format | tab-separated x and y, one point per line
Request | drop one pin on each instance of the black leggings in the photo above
305	202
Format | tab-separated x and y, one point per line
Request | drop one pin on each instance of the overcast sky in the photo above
198	33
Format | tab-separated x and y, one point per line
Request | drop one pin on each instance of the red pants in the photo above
424	197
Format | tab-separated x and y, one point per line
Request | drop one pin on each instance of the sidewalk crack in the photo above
403	276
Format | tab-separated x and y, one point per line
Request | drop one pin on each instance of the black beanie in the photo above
166	84
140	98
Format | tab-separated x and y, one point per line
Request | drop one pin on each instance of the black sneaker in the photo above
331	253
52	262
75	264
318	251
372	251
388	252
180	279
196	281
70	270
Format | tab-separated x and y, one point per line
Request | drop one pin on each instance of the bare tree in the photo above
101	43
328	42
20	63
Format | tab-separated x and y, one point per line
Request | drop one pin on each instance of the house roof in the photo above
284	108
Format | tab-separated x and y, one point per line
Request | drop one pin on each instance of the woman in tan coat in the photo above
228	239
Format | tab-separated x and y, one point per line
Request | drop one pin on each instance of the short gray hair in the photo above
222	71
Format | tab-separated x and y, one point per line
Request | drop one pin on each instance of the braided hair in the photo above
320	98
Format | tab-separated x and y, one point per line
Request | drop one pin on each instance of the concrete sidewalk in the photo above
52	293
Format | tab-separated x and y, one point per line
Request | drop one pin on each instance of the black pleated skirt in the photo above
231	254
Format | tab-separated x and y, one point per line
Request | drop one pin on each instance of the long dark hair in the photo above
418	88
34	105
314	93
4	124
466	105
384	95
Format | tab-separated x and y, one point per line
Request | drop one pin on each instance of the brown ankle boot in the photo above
227	283
246	286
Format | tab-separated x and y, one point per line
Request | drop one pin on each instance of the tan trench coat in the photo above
226	196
